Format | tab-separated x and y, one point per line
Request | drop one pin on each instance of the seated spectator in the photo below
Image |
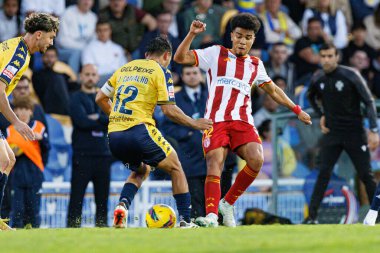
372	23
10	22
56	7
306	50
27	176
332	20
357	42
207	12
76	30
127	22
279	65
361	62
278	26
105	54
173	6
269	107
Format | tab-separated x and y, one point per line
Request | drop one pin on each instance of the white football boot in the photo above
210	221
227	211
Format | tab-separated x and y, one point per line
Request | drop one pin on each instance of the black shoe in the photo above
310	221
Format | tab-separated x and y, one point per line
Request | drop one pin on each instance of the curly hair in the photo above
246	21
41	22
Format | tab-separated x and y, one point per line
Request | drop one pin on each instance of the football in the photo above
160	216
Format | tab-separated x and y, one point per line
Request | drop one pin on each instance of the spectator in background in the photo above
172	6
278	65
76	30
207	12
105	54
192	100
361	62
31	158
333	22
363	8
91	154
128	23
10	22
264	113
357	42
306	50
278	26
372	23
55	8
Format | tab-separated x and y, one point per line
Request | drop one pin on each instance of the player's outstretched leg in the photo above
181	193
131	186
370	218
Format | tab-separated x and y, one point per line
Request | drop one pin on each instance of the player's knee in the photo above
256	162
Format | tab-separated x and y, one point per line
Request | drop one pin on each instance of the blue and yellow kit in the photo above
14	60
136	89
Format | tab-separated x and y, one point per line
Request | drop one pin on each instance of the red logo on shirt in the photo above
8	73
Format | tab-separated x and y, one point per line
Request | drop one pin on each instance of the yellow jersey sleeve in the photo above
112	80
165	87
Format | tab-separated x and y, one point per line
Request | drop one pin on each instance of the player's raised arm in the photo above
174	113
183	55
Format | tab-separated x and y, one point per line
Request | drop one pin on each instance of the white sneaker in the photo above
227	211
210	221
184	225
370	218
120	216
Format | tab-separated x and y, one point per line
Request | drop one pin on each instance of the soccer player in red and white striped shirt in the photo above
230	75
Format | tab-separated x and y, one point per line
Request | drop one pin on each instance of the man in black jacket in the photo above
91	154
341	90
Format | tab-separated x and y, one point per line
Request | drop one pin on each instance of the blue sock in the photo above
128	194
183	201
375	205
3	183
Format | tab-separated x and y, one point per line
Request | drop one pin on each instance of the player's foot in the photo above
370	218
210	221
4	226
310	221
120	216
184	224
227	211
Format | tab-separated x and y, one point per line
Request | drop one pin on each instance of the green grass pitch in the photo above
276	238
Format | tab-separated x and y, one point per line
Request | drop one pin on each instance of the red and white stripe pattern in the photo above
229	80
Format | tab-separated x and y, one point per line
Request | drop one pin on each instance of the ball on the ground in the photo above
160	216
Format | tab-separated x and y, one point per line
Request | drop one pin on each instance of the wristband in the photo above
297	109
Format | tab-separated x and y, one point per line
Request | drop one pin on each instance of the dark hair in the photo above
278	77
264	127
6	1
358	26
53	48
246	21
25	78
313	19
102	22
162	12
327	46
41	22
158	46
23	103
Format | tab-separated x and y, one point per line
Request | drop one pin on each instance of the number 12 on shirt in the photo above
130	93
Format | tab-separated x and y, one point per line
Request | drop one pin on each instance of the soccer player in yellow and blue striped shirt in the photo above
136	89
15	54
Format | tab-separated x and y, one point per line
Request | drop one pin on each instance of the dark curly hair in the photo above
158	46
41	22
246	21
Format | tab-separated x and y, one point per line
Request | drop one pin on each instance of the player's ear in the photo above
38	34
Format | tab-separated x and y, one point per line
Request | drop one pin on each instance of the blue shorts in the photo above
141	143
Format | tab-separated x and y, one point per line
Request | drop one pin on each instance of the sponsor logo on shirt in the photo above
171	91
234	83
8	74
12	69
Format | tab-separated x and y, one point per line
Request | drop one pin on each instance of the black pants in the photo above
85	169
355	144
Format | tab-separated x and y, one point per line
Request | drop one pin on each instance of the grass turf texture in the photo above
297	238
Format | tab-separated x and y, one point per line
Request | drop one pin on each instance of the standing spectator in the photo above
192	101
127	23
372	23
55	8
332	20
278	26
207	12
91	154
10	22
279	65
340	91
28	170
306	50
105	54
76	31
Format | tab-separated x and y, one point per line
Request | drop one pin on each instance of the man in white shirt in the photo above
103	52
9	20
55	8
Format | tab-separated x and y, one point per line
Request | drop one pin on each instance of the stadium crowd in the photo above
99	36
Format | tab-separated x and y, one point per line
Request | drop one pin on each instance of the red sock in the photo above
212	194
244	179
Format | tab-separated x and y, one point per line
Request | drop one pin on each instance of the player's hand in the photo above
24	130
203	124
197	27
38	136
305	118
322	123
373	140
